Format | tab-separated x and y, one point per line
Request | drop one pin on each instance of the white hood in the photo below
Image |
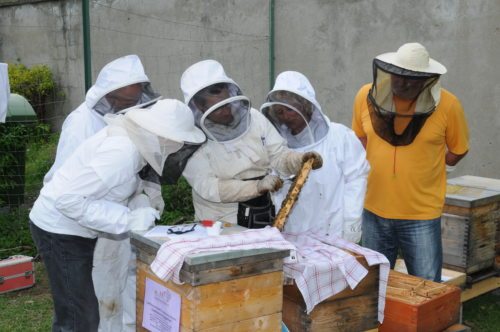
121	72
298	84
197	82
201	75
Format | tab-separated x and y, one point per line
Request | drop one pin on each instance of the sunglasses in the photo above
181	229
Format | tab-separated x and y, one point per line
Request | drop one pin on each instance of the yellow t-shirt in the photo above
409	182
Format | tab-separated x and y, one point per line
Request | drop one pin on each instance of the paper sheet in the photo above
162	308
161	232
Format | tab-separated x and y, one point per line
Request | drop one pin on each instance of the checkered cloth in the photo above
170	257
323	269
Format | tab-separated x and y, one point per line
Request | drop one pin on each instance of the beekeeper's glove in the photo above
139	201
270	183
295	160
142	219
318	161
153	191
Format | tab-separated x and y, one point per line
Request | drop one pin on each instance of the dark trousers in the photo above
68	260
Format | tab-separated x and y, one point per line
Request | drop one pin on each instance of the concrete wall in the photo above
331	42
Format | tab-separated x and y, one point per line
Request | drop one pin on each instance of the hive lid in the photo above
471	191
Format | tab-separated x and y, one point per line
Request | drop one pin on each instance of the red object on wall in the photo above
16	272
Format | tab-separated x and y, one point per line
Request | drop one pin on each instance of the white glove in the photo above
153	191
269	183
142	219
139	201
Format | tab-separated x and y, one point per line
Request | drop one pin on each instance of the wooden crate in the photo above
449	277
415	304
349	310
470	224
222	291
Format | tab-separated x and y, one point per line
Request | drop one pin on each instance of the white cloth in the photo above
90	192
215	164
4	91
110	275
323	269
170	257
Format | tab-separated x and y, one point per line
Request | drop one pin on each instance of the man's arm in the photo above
453	159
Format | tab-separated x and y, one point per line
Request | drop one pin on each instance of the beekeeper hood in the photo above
409	74
121	85
159	131
293	109
218	105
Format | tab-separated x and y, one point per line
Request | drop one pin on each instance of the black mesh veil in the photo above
174	166
381	106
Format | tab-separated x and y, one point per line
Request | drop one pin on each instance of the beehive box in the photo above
415	304
349	310
470	223
225	291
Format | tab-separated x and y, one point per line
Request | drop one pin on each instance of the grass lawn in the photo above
31	309
28	309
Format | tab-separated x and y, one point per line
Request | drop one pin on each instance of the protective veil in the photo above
218	105
331	200
410	68
85	121
242	146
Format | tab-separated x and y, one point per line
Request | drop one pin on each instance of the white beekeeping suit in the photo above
233	166
331	201
121	84
91	192
4	91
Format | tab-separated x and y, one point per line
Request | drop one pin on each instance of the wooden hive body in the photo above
223	291
470	224
349	310
414	304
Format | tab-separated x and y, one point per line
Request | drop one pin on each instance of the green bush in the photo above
14	139
35	84
15	236
178	202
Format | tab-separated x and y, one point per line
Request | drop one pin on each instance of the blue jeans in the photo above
418	240
68	260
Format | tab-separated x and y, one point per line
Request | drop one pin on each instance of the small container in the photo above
16	272
207	223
